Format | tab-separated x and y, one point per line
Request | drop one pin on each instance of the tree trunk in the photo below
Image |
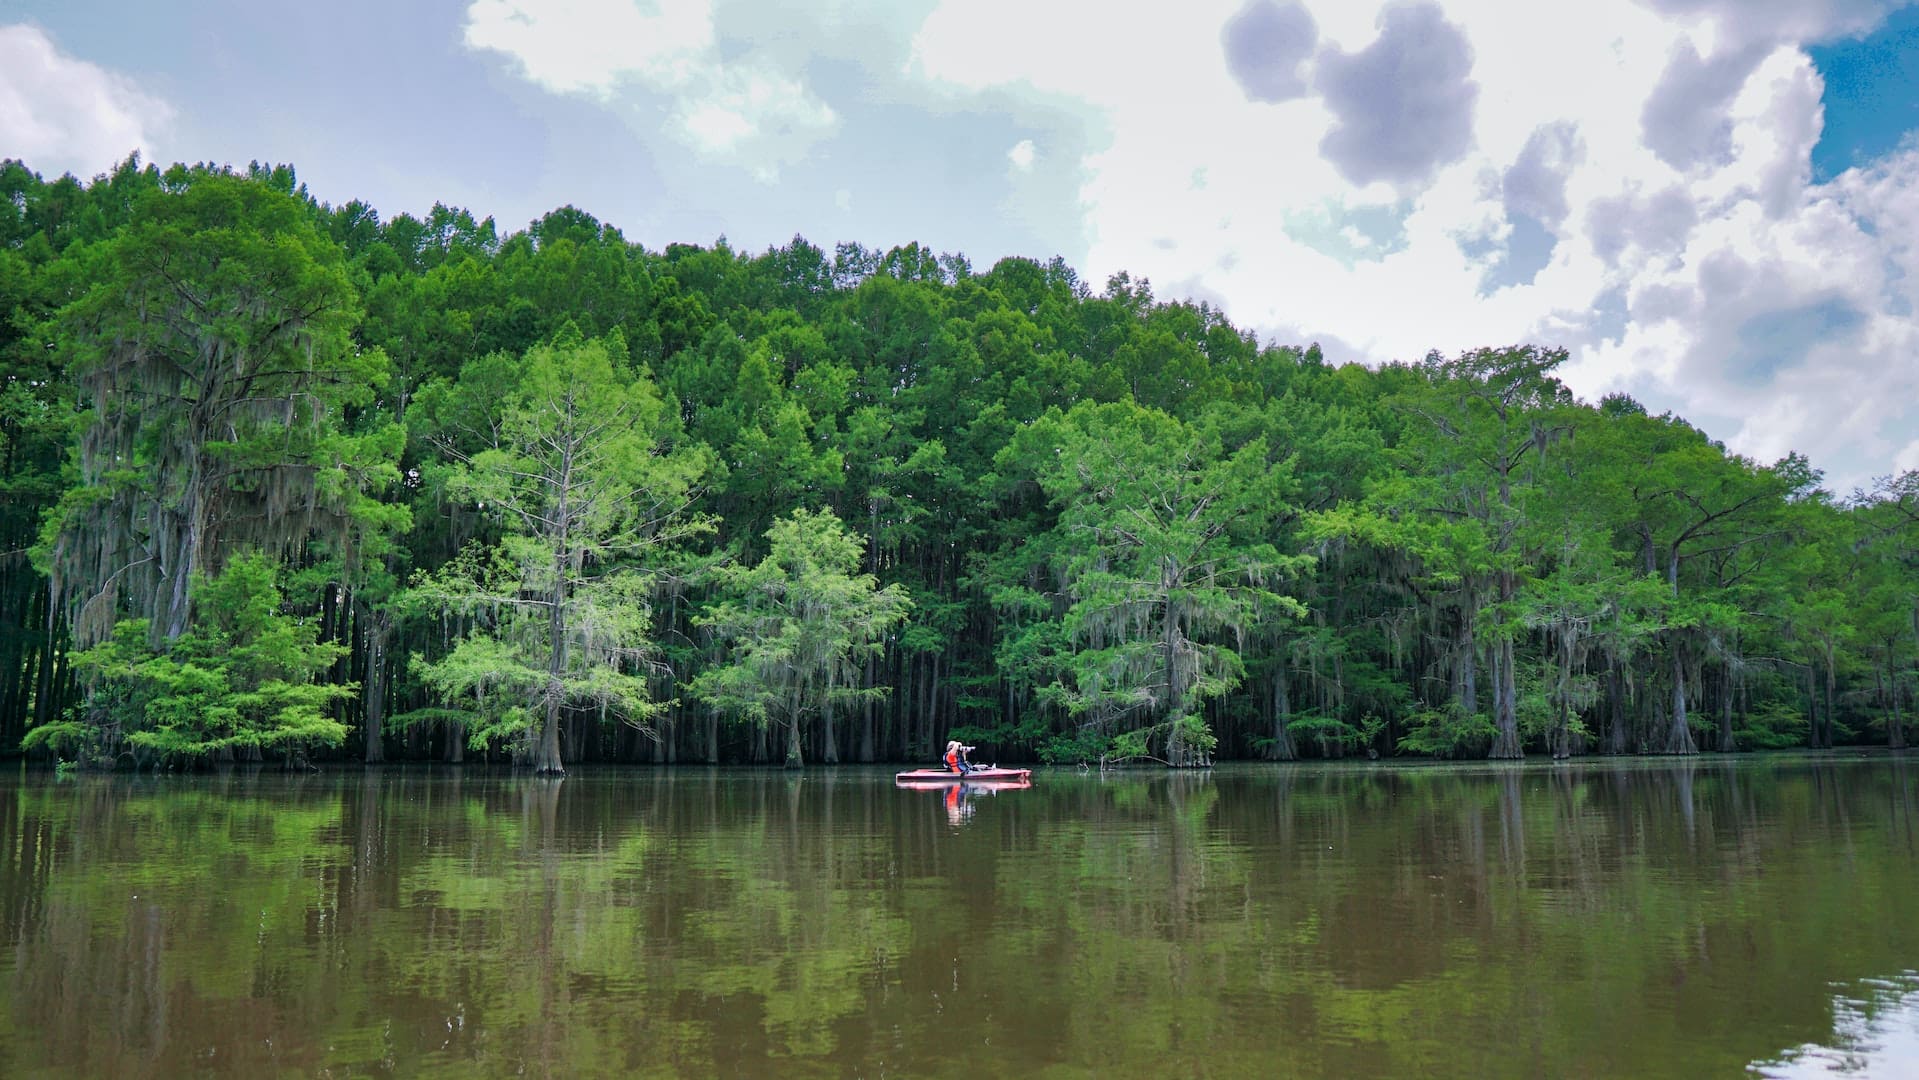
1812	710
934	732
1895	724
1468	681
1562	736
546	761
1726	742
1175	692
900	704
1505	710
177	607
1898	728
1617	740
866	717
1284	749
794	760
1832	714
1505	685
1679	735
373	692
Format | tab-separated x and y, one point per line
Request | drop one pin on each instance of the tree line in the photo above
287	480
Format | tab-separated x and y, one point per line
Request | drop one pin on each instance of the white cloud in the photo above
1022	156
1906	459
1659	150
592	46
740	107
60	114
1266	45
1404	103
1737	22
1778	324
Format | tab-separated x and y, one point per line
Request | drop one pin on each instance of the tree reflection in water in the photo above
1598	918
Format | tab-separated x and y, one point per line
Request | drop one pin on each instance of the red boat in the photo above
942	777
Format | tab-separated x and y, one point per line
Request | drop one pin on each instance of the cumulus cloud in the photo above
1782	102
1535	183
720	103
60	114
1886	193
593	46
1404	104
1860	393
1686	119
1657	224
1787	332
1628	178
1266	43
1782	20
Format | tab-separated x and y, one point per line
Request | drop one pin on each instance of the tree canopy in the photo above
293	474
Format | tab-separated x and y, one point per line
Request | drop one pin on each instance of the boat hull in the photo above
941	777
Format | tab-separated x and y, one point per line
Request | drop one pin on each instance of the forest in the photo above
292	482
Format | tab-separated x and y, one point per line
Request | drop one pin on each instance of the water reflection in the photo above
1875	1032
960	799
1671	919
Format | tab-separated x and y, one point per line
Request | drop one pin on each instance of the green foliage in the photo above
1774	725
1076	748
60	736
499	683
794	624
500	470
1447	733
214	353
1333	731
245	677
570	454
1160	543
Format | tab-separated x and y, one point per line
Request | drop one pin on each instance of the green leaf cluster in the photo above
246	677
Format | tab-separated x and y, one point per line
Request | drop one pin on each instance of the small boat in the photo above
942	777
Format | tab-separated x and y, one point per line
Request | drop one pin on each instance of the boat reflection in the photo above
971	785
959	796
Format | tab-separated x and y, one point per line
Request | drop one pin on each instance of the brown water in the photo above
1713	918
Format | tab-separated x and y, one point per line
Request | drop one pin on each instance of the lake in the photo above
1713	917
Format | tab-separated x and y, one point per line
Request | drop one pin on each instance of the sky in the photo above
1713	205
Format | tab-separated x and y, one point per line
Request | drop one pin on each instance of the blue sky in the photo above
1711	203
1871	93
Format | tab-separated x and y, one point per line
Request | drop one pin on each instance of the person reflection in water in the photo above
958	806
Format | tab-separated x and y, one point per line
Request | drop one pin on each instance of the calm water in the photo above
1710	919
